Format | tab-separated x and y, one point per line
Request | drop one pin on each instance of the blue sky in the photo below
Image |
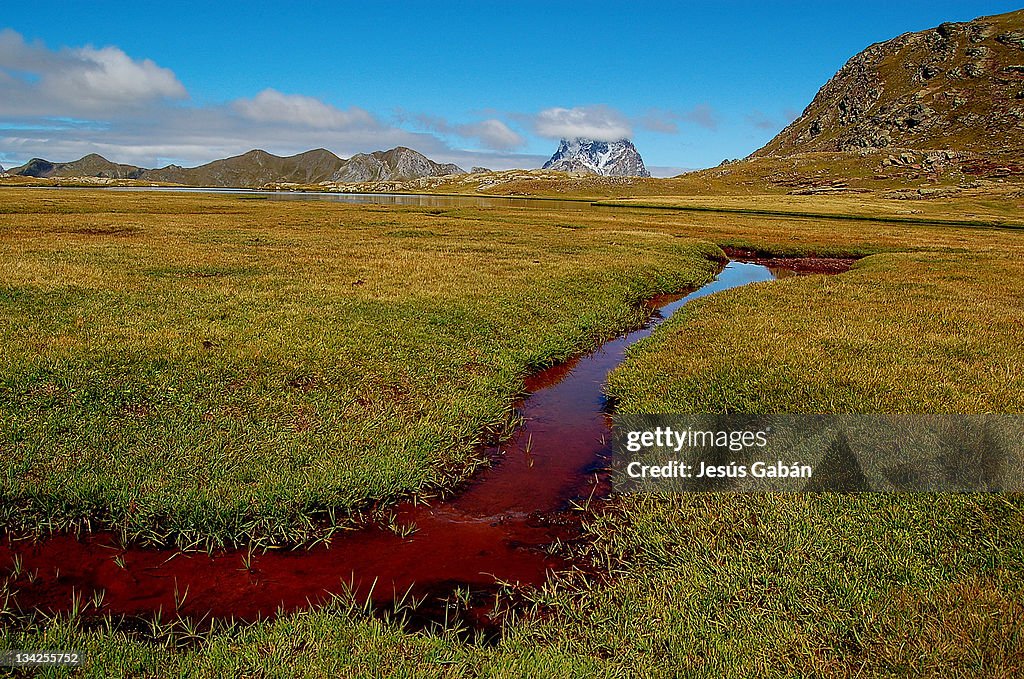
480	83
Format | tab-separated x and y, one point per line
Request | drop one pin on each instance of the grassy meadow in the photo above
918	332
832	584
203	368
976	208
209	369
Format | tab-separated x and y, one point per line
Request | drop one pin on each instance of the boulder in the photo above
1012	38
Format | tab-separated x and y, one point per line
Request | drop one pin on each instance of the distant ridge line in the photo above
256	168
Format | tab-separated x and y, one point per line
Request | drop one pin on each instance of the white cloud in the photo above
79	80
492	133
194	135
702	115
657	120
16	54
64	103
600	123
666	122
271	106
108	76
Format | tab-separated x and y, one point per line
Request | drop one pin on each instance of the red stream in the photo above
495	531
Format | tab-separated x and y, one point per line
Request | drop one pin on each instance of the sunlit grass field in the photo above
920	332
202	367
831	584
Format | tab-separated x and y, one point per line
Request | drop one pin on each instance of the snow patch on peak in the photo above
588	156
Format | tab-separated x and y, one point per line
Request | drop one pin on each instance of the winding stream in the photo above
495	531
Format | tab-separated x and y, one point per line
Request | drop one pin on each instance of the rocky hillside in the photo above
398	164
608	159
959	86
257	168
92	165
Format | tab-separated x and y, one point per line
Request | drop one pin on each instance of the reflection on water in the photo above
413	199
780	272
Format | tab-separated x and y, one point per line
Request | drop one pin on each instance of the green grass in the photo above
710	585
828	584
795	214
902	332
230	373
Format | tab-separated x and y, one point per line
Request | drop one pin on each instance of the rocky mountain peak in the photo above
588	156
398	164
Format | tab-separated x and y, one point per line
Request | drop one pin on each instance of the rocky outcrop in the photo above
587	156
362	167
404	164
958	86
398	164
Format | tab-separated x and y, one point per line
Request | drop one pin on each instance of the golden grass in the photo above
204	367
703	585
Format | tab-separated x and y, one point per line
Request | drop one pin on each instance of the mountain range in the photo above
256	168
